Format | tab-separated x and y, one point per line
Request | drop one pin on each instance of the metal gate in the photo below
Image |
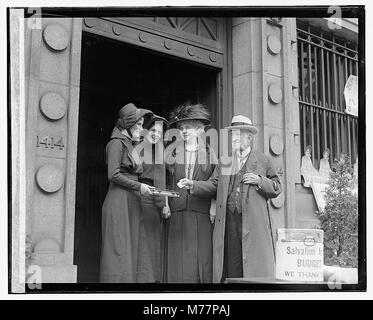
325	62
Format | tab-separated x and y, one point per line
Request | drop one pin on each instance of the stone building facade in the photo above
247	66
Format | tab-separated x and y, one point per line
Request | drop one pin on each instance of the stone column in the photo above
52	66
265	89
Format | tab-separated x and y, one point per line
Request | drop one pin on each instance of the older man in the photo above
242	239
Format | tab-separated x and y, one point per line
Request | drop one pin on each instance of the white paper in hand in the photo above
181	184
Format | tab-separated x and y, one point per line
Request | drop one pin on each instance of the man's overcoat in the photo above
257	243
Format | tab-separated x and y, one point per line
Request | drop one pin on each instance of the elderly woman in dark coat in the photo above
124	257
154	174
190	229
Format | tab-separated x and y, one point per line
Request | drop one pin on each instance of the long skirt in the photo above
189	248
151	216
124	257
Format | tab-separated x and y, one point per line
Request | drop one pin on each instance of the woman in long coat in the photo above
124	257
154	174
190	229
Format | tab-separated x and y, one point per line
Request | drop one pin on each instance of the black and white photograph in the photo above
171	149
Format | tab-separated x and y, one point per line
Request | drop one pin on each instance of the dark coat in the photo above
124	257
257	244
154	172
203	169
190	229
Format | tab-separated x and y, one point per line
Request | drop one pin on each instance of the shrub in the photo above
339	219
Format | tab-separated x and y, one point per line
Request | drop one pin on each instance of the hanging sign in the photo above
351	95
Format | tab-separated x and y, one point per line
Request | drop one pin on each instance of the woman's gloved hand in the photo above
145	189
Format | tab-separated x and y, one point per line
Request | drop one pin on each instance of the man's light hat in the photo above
242	123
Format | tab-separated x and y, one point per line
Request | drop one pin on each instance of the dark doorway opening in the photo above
112	74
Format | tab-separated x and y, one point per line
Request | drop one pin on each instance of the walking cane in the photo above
164	249
270	229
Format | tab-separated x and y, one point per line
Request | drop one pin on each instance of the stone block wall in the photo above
52	72
265	84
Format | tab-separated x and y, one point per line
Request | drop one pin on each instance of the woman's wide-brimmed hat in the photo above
242	123
130	114
189	112
155	118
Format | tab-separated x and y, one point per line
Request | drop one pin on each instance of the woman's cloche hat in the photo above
130	114
153	119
